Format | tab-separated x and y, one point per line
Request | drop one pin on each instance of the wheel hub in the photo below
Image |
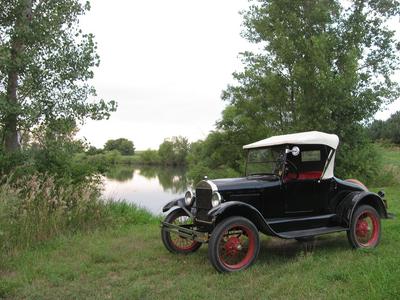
233	246
362	228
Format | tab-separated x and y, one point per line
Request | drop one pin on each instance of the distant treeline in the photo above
388	130
212	157
172	152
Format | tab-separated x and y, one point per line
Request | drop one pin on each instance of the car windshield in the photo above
265	161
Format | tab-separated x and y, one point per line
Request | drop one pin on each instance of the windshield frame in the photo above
283	148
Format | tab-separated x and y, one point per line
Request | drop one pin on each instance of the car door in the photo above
304	193
301	197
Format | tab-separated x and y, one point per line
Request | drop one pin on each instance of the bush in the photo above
365	163
198	171
150	157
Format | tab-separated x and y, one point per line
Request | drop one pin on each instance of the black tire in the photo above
305	239
365	228
173	242
241	246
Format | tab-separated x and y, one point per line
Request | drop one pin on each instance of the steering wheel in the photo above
288	165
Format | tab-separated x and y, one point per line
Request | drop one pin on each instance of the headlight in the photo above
188	198
216	199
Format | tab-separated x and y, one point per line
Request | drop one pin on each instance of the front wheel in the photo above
174	242
365	228
234	245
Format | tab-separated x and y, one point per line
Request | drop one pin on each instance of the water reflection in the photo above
150	187
120	173
173	180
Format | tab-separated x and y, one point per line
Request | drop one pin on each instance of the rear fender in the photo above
347	207
236	208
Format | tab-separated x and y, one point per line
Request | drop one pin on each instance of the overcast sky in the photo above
166	64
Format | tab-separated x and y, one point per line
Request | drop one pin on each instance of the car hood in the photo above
244	183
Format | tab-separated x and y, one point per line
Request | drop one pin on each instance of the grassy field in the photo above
131	263
391	155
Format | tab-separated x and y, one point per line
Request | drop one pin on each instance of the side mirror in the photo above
295	151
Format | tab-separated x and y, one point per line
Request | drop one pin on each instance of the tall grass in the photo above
36	208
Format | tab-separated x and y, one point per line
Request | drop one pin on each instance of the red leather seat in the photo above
304	175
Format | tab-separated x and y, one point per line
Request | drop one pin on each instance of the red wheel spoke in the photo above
367	229
236	247
180	242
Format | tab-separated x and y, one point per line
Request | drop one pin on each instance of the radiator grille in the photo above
203	203
203	198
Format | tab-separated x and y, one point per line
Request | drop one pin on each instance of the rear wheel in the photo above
365	228
174	242
234	245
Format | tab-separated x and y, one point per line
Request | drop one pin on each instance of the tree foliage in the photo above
173	151
388	130
123	145
150	157
319	66
46	62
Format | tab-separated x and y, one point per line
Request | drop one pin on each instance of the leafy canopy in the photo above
319	65
173	151
46	64
123	145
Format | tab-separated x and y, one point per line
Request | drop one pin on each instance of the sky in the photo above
166	63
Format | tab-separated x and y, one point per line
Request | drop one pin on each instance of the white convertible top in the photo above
301	138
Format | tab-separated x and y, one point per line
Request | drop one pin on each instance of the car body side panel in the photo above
346	208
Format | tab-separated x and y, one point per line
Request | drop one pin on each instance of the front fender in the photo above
347	207
177	202
236	208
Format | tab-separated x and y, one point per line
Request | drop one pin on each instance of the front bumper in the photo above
186	232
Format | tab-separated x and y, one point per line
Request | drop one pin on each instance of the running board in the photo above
310	232
302	223
299	219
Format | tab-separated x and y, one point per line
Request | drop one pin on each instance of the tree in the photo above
149	157
45	64
124	146
92	150
173	151
386	130
320	66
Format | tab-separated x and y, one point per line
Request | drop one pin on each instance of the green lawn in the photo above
391	155
132	263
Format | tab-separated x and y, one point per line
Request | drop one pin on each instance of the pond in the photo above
148	187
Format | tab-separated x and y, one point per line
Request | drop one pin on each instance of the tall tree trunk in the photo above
11	136
11	142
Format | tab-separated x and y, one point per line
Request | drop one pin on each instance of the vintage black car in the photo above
289	191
